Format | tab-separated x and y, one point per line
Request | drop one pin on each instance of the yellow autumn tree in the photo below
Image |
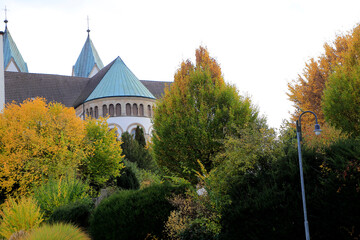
37	140
307	91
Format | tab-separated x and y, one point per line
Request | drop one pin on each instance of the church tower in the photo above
13	61
88	62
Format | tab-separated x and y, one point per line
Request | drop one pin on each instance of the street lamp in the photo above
298	134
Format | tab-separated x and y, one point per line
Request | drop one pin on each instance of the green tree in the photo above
195	115
139	136
341	100
135	152
104	159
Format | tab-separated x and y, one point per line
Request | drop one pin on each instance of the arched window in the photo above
91	112
111	110
135	109
149	110
141	110
128	109
96	112
87	112
105	110
118	109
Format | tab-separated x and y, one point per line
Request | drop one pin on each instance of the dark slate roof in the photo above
68	90
155	87
64	89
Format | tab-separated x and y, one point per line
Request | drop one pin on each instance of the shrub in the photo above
57	231
19	215
77	213
56	193
133	214
127	179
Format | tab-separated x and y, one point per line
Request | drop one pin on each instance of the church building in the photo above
93	90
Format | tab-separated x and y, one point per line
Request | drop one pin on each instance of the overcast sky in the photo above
260	45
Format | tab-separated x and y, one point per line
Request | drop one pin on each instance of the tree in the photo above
307	90
195	115
139	136
341	100
104	159
135	152
37	140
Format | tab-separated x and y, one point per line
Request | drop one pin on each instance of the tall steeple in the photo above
13	61
88	62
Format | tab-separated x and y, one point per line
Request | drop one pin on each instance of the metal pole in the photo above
298	134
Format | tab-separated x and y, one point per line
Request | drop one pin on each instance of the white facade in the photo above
124	113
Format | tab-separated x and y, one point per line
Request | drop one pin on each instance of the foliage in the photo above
136	152
307	90
19	215
341	99
133	214
192	218
195	114
76	213
60	192
329	85
139	136
57	231
104	159
267	202
253	149
127	179
37	140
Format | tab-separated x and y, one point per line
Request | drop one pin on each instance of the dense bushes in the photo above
267	203
133	214
56	193
77	213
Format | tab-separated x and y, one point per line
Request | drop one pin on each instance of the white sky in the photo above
261	45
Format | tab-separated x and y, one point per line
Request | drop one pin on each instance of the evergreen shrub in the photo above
77	213
133	214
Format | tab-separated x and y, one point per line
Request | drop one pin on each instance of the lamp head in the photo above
317	129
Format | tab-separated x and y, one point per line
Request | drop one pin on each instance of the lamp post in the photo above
298	134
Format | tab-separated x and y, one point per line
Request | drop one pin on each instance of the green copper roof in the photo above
119	81
87	59
12	52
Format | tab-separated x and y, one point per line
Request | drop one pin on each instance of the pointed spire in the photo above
13	60
88	62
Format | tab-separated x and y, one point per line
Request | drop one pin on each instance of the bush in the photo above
56	232
136	152
133	214
127	179
56	193
267	204
19	215
77	213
